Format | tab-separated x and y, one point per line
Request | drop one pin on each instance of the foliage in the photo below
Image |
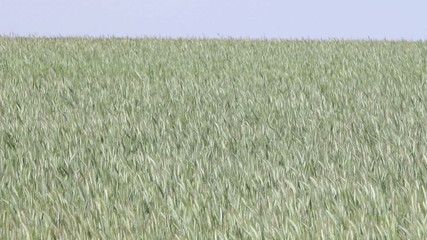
212	139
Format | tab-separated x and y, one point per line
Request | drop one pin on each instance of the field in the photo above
212	139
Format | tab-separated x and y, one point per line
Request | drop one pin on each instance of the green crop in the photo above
212	139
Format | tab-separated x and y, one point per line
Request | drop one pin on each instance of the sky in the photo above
256	19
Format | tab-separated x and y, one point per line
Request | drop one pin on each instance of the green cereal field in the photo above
212	139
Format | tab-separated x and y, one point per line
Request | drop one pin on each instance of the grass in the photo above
212	139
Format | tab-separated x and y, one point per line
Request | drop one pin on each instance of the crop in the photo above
212	139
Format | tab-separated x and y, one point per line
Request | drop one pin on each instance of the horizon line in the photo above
146	37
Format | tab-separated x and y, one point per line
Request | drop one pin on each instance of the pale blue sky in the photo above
324	19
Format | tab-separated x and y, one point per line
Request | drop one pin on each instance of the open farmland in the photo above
212	139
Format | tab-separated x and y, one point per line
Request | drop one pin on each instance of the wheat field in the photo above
212	139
